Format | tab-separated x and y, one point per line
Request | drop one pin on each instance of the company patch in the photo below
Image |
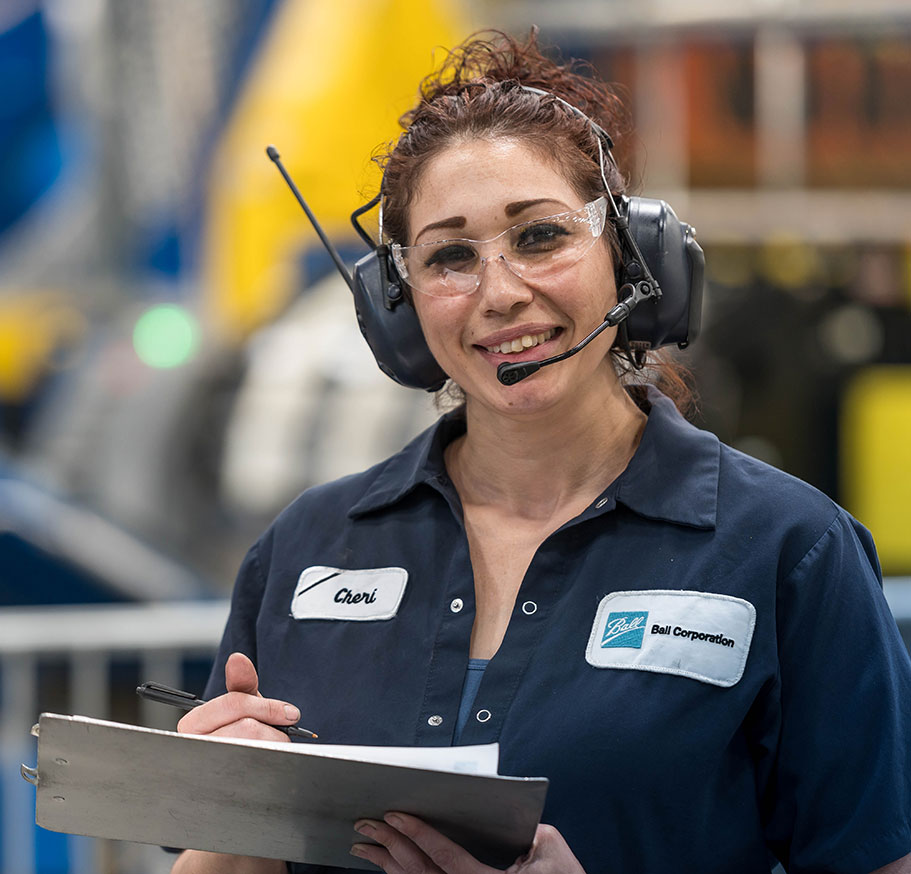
701	635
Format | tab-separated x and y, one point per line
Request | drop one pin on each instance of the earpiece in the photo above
677	263
390	324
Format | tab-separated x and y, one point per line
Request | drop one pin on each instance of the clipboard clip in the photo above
30	775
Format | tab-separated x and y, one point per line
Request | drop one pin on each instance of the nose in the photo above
500	287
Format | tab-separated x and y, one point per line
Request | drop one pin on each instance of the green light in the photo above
165	336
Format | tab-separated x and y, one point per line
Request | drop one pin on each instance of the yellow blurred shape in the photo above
329	85
789	262
876	459
34	326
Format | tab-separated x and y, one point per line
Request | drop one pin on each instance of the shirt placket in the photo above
439	709
548	575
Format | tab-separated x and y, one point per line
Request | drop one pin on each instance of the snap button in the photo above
601	503
483	715
435	720
456	605
529	607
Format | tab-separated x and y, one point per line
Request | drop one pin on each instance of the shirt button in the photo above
529	607
601	503
435	721
483	715
456	605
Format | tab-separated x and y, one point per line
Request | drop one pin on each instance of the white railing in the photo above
87	640
159	637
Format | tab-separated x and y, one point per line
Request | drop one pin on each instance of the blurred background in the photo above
178	358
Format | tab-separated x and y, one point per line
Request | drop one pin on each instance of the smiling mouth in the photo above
520	344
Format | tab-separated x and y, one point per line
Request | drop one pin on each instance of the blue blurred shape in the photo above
30	154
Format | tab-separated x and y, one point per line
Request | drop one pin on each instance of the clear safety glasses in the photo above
532	250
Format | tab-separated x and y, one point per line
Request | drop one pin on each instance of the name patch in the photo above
359	595
701	635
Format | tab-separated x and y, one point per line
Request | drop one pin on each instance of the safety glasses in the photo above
533	250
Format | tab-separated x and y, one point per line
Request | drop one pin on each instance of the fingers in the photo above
240	674
251	729
407	844
236	708
549	854
242	711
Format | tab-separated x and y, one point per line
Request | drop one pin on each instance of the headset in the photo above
660	279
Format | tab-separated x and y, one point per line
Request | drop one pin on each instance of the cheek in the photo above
441	320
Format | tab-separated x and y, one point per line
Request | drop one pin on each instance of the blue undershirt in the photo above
469	690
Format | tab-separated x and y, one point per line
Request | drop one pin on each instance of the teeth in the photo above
524	342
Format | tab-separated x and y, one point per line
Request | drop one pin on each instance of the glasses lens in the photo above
444	269
542	248
535	249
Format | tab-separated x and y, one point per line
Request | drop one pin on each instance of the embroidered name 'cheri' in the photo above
348	594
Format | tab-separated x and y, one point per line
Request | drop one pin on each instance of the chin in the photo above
535	394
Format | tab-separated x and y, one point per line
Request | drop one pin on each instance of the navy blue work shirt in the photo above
702	662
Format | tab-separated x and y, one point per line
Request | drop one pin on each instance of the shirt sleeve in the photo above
840	794
240	630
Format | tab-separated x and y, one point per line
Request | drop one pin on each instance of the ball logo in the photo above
624	629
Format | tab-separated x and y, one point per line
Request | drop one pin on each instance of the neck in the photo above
536	466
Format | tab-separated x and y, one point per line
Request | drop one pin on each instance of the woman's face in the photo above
476	191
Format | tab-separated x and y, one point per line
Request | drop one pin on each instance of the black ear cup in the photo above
390	324
676	261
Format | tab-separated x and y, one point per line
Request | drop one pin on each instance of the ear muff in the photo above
677	263
390	324
392	331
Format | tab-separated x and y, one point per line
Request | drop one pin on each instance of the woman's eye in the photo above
545	236
450	256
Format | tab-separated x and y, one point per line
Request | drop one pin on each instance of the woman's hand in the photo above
242	711
409	846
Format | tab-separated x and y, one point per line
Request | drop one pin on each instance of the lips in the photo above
521	343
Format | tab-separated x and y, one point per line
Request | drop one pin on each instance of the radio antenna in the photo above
272	152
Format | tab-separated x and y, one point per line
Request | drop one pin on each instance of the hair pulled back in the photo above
476	94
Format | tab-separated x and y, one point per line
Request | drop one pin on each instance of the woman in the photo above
692	646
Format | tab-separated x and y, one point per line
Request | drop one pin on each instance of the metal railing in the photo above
88	645
89	642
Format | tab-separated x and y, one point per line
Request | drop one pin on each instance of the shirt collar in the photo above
421	461
673	475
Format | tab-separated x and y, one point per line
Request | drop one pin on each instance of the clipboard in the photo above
282	801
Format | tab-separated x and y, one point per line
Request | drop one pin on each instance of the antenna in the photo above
272	152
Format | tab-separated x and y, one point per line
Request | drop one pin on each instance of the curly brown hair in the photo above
477	93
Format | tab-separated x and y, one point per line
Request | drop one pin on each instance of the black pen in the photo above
187	701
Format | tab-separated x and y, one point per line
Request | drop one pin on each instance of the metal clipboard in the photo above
109	780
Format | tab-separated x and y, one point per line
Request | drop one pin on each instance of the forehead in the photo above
478	178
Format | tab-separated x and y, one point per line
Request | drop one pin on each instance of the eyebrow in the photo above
511	210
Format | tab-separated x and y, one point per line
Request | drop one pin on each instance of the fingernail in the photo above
393	820
357	850
365	828
292	712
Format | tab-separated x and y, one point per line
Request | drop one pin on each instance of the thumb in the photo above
240	674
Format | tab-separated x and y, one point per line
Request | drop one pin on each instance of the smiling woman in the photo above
667	629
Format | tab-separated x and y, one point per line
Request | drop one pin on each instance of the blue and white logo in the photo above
624	629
